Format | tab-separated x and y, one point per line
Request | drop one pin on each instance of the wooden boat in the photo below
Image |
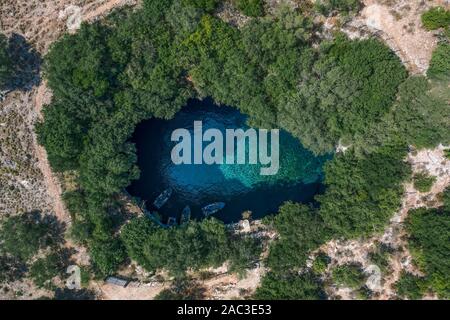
212	208
162	198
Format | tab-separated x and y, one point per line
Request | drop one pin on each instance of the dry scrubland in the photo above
27	183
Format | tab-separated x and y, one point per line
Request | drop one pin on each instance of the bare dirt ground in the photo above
356	251
398	23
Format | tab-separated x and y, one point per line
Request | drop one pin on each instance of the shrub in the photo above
45	269
290	287
436	18
410	286
321	263
251	8
350	275
440	62
23	235
423	182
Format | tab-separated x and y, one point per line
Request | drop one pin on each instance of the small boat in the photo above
162	198
212	208
185	215
171	221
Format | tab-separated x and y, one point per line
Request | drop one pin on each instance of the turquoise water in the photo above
241	186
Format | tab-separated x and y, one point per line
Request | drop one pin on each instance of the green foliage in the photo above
347	89
5	61
45	269
440	62
358	199
423	181
290	287
300	230
195	245
410	286
321	263
244	253
420	115
23	235
345	6
380	257
107	256
251	8
207	5
350	275
429	235
436	18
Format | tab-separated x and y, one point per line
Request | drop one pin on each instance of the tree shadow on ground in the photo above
26	64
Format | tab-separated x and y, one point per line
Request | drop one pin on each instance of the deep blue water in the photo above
241	187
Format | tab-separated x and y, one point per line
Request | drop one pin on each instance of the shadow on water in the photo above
241	187
26	64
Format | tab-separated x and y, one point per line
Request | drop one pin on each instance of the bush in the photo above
321	263
244	253
290	287
423	181
251	8
45	269
410	286
350	275
107	256
195	245
23	235
325	7
436	18
440	62
428	231
301	230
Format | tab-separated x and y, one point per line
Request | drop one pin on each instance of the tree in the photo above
410	286
244	253
290	287
300	230
420	115
358	199
351	86
192	246
107	256
429	231
23	235
43	270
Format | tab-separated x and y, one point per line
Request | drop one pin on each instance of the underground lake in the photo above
239	186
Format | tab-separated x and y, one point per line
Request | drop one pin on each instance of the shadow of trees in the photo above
24	65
